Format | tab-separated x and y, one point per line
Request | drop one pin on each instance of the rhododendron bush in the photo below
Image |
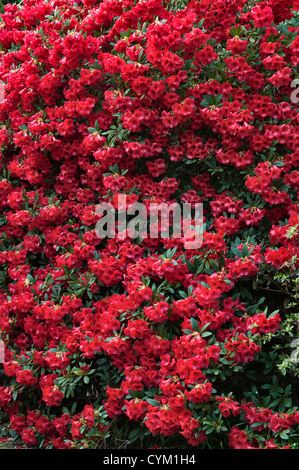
141	341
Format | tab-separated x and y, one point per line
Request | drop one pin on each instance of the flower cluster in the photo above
162	102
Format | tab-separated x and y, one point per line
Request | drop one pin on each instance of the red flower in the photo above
262	15
227	405
158	312
136	409
200	393
241	350
26	377
238	439
28	436
162	105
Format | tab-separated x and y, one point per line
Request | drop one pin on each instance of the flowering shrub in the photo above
140	339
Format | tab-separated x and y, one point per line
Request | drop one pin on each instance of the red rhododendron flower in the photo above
147	339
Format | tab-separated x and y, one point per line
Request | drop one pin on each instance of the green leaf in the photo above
206	333
284	434
194	324
210	429
188	332
204	104
255	425
236	252
153	402
191	266
182	294
134	435
221	262
275	402
244	251
205	327
116	431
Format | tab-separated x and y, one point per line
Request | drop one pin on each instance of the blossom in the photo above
145	102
